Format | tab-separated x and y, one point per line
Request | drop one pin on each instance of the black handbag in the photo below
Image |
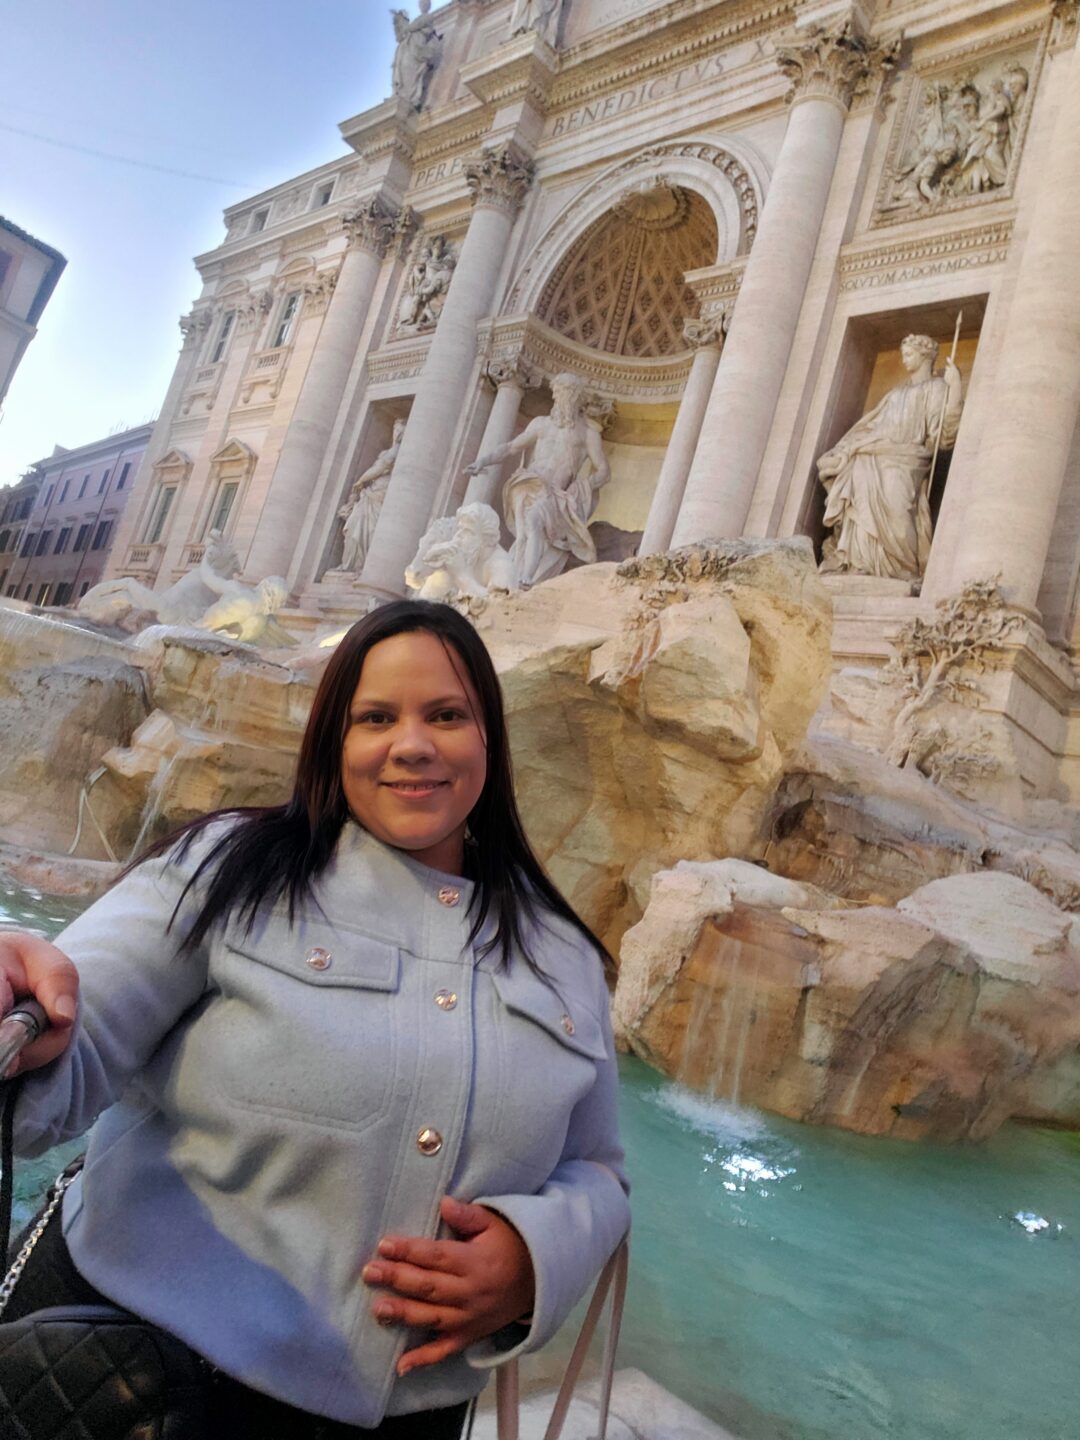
88	1372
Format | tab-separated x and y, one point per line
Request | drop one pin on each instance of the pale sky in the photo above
248	92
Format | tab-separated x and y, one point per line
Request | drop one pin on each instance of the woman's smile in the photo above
414	759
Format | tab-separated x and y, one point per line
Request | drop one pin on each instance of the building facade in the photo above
29	270
58	538
725	216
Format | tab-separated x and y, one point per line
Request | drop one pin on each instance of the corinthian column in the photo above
370	230
706	336
1002	520
498	181
511	379
826	67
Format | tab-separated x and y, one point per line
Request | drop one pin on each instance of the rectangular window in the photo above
223	336
104	482
289	307
28	591
219	516
82	537
84	588
61	540
123	475
63	491
160	514
63	593
43	542
82	487
5	536
3	577
28	546
5	262
12	590
258	221
101	539
324	194
25	507
42	594
48	496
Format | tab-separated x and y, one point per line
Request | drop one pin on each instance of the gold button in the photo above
445	999
318	958
428	1141
567	1024
449	896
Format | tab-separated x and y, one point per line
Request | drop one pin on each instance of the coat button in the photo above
428	1141
567	1024
318	958
445	999
448	895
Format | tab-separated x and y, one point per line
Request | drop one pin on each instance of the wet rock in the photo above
941	1017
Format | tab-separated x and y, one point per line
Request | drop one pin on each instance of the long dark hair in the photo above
280	850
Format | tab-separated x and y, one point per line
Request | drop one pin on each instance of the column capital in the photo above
372	226
832	63
706	331
512	370
500	177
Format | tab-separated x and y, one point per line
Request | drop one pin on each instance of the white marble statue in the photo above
113	602
461	555
549	500
419	46
361	511
539	15
247	612
876	478
426	286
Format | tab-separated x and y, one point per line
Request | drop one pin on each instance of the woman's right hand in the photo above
31	966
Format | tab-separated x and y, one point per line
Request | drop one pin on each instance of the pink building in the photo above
52	551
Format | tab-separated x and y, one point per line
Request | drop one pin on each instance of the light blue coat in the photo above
271	1090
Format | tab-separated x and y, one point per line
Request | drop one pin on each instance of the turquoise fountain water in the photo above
795	1283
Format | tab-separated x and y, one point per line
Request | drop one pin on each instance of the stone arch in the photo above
728	177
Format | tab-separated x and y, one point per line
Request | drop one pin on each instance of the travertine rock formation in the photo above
941	1017
653	706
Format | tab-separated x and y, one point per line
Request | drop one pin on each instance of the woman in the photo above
358	1064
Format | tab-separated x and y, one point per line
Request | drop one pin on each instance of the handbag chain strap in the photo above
18	1265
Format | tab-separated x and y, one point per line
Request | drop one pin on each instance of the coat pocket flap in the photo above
569	1021
318	951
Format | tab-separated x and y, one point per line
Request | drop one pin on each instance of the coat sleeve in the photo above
575	1221
135	983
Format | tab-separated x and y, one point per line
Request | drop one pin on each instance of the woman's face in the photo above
415	756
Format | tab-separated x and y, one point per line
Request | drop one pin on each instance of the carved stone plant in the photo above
934	661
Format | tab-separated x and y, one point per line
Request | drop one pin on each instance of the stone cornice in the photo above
659	41
832	64
715	287
400	360
500	177
385	129
872	264
523	69
522	340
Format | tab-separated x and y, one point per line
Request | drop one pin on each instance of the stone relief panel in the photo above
427	281
958	136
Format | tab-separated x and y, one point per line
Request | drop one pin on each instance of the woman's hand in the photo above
31	966
461	1289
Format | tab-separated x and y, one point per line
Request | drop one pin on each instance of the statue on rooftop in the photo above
539	15
419	46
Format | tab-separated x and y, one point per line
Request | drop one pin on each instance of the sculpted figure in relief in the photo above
426	286
361	511
539	15
963	142
461	555
548	501
876	478
419	46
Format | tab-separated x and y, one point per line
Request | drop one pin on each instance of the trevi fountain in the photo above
720	360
